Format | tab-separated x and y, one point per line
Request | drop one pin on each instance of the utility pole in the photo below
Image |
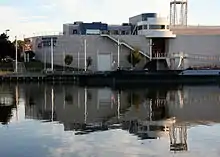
6	32
85	54
51	53
16	54
118	53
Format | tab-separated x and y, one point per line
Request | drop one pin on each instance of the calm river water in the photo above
65	121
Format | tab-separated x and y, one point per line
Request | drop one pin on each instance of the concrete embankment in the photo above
126	78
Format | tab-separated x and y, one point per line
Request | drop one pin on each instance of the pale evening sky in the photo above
25	17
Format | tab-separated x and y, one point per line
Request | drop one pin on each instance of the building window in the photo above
163	27
75	31
123	33
157	27
145	26
139	27
168	27
46	42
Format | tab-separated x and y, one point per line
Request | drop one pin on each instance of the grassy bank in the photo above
6	67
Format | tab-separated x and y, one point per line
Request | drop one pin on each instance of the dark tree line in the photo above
7	48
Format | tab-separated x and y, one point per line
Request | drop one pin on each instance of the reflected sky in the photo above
58	120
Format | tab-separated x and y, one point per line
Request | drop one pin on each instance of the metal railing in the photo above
124	43
195	56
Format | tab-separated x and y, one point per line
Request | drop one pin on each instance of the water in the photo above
63	121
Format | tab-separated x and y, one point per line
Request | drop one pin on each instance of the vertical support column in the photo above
17	101
150	48
186	14
52	103
44	56
51	46
174	14
182	17
85	105
45	97
16	54
171	17
118	53
119	105
85	53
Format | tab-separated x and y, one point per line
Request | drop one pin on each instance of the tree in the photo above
6	47
134	57
68	59
20	48
3	36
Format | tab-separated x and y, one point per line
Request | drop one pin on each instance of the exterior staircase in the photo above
132	42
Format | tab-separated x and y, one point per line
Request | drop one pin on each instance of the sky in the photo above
26	18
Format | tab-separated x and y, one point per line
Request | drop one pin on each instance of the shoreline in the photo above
112	78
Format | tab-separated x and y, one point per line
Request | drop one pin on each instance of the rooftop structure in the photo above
178	12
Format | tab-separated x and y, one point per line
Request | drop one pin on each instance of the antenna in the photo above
178	12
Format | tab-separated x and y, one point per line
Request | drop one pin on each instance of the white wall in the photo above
208	45
95	44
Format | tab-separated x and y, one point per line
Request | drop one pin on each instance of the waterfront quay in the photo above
109	78
37	77
56	76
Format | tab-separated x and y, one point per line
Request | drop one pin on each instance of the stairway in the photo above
131	42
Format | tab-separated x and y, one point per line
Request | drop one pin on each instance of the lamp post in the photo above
16	54
51	42
6	31
118	53
85	53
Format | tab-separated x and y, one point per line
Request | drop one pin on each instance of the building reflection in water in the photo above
149	113
8	102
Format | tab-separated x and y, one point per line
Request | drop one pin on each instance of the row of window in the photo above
126	32
152	27
115	32
45	44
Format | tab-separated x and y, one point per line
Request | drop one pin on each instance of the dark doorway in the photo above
159	47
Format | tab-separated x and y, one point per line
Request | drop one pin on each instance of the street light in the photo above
16	54
6	31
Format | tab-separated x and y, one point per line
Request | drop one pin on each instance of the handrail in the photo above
125	44
196	56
